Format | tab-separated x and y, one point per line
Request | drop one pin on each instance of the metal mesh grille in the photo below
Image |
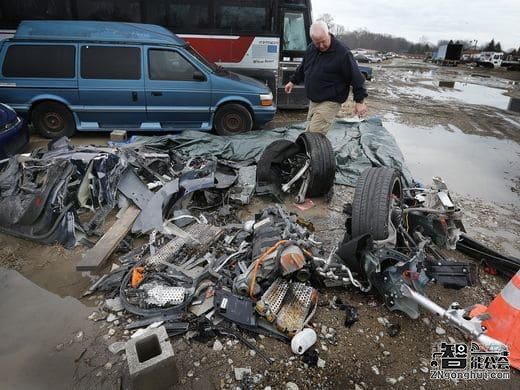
272	300
289	304
204	234
164	295
298	303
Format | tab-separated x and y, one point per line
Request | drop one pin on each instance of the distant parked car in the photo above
374	59
362	58
14	134
366	71
490	59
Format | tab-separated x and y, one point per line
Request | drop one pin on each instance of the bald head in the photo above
320	36
319	28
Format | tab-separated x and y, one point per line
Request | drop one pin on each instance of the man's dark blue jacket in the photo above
329	74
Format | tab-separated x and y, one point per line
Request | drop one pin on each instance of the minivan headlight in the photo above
266	99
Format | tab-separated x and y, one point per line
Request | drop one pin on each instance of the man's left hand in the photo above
360	109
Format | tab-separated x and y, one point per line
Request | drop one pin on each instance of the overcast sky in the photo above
431	19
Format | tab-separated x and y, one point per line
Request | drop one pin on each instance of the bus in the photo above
264	39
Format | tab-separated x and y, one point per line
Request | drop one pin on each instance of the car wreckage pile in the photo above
187	261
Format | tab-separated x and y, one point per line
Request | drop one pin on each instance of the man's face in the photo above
321	41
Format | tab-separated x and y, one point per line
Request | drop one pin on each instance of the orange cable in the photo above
259	261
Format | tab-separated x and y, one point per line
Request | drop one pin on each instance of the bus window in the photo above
13	11
242	16
179	16
294	37
109	10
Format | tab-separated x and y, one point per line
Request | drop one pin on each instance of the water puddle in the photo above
481	167
49	266
34	322
460	92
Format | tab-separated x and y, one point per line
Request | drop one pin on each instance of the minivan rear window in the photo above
109	62
47	61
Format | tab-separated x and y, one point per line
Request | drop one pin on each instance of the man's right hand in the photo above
288	87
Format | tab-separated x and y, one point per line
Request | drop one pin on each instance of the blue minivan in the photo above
92	76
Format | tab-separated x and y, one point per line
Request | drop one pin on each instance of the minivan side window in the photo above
169	65
45	61
110	62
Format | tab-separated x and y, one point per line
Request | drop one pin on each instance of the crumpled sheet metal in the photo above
244	190
151	216
32	201
201	234
357	146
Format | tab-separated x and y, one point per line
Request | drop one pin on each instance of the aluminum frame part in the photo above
286	187
455	316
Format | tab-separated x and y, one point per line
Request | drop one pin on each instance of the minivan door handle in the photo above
156	93
134	96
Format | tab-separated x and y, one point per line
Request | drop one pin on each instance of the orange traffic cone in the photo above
504	318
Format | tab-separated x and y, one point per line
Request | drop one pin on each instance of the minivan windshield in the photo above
214	67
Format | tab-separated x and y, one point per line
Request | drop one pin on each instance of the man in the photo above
328	69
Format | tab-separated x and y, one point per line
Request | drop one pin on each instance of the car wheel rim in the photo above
53	122
233	123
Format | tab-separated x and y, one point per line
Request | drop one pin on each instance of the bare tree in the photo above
381	42
336	29
328	19
339	29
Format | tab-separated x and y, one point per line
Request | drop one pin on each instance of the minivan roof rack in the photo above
91	31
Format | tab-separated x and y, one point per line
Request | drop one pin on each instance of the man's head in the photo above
320	35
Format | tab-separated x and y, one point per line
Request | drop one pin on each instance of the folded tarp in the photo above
357	146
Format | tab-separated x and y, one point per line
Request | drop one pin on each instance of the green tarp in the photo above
357	146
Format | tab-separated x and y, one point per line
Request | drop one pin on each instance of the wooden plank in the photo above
96	257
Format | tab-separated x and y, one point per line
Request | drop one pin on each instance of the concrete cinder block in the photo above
151	361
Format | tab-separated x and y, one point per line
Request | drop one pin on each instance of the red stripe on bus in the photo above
222	50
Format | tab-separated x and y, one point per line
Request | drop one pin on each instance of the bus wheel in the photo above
53	120
233	119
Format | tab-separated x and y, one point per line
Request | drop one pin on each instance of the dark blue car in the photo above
14	134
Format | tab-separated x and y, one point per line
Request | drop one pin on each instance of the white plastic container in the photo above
303	340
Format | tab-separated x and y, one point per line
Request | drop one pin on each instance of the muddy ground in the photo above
461	132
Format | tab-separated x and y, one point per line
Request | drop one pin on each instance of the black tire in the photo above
372	201
53	120
232	119
323	163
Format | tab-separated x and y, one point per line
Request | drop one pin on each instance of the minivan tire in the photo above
232	119
53	120
373	200
323	163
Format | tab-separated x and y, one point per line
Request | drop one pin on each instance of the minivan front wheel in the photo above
53	120
232	119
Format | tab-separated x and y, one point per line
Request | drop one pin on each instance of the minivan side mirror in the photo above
198	75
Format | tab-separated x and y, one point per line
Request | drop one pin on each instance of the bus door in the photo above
295	24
